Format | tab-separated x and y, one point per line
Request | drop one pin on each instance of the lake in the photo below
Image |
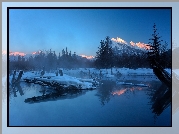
111	104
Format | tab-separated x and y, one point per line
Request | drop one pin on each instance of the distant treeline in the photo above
50	61
103	59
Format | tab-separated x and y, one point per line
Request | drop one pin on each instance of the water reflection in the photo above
160	99
69	92
159	94
122	90
130	101
108	88
104	91
119	92
16	87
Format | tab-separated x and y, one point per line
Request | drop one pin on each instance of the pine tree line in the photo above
50	61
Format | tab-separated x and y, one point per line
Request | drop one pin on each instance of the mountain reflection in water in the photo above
159	94
121	91
156	94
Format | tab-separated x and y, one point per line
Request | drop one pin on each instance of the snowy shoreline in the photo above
86	78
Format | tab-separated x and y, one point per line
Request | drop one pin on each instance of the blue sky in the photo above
80	30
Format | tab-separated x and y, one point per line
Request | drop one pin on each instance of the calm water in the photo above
110	104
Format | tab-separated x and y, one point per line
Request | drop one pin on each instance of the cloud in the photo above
119	40
140	45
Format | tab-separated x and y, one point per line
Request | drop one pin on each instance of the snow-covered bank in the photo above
93	72
86	78
52	78
109	72
131	84
67	80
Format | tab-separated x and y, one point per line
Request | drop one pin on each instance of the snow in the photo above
107	72
109	76
124	83
86	77
86	72
51	77
85	80
67	80
139	71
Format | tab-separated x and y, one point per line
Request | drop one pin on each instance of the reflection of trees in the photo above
104	91
15	84
15	88
69	92
160	99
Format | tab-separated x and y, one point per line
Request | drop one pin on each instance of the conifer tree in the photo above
104	56
155	44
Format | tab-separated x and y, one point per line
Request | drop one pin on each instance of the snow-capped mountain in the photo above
14	57
124	48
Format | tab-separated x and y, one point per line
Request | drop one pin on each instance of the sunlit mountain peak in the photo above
121	44
88	57
119	40
17	53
